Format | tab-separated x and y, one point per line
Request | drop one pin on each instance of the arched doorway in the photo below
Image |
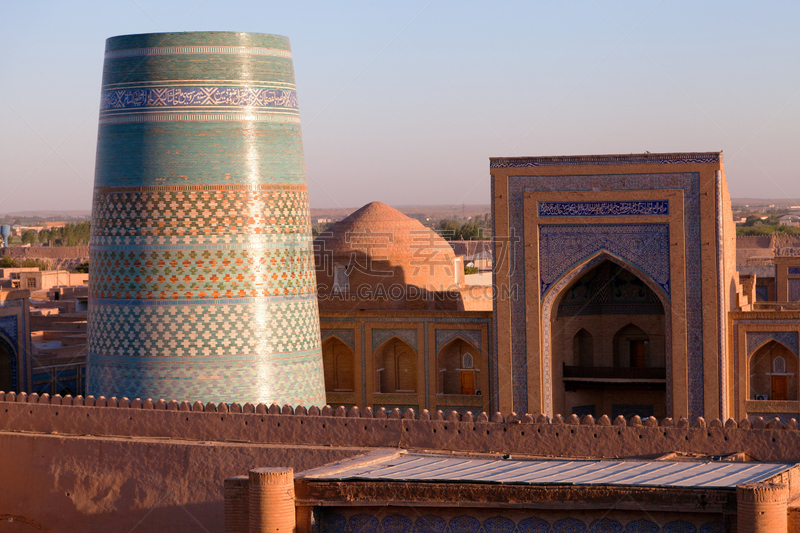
773	373
338	363
396	366
609	345
458	364
631	347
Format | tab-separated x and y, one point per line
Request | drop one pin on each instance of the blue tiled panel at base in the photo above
757	338
604	209
689	182
204	286
794	290
250	352
289	378
330	520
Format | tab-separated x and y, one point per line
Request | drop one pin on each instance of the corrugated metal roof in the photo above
684	474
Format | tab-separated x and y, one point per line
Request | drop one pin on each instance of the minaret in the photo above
202	275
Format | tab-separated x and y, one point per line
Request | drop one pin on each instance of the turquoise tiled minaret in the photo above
202	275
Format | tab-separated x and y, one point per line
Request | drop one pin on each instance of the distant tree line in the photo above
69	235
476	229
10	262
767	229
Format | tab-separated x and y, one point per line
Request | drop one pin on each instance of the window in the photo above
31	283
467	361
341	281
779	365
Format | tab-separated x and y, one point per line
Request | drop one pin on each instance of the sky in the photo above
405	102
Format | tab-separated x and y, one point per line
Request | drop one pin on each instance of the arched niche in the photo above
458	364
339	364
583	349
773	372
396	367
601	295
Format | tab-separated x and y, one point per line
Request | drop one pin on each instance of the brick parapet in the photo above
517	434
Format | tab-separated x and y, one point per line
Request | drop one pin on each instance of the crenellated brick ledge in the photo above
529	435
408	414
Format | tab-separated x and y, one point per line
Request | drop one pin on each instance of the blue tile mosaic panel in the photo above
645	246
329	519
794	290
203	282
756	339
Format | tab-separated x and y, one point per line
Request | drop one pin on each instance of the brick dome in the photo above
377	247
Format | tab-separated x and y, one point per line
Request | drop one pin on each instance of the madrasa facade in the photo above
618	293
615	291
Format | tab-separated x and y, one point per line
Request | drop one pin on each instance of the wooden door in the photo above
467	382
779	388
637	354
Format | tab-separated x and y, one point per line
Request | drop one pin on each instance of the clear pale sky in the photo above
404	102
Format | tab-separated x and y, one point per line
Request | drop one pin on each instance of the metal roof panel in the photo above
683	474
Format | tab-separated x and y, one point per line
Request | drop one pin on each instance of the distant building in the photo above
10	277
47	279
479	253
790	220
53	225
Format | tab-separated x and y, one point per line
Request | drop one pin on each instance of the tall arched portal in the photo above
609	346
664	217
